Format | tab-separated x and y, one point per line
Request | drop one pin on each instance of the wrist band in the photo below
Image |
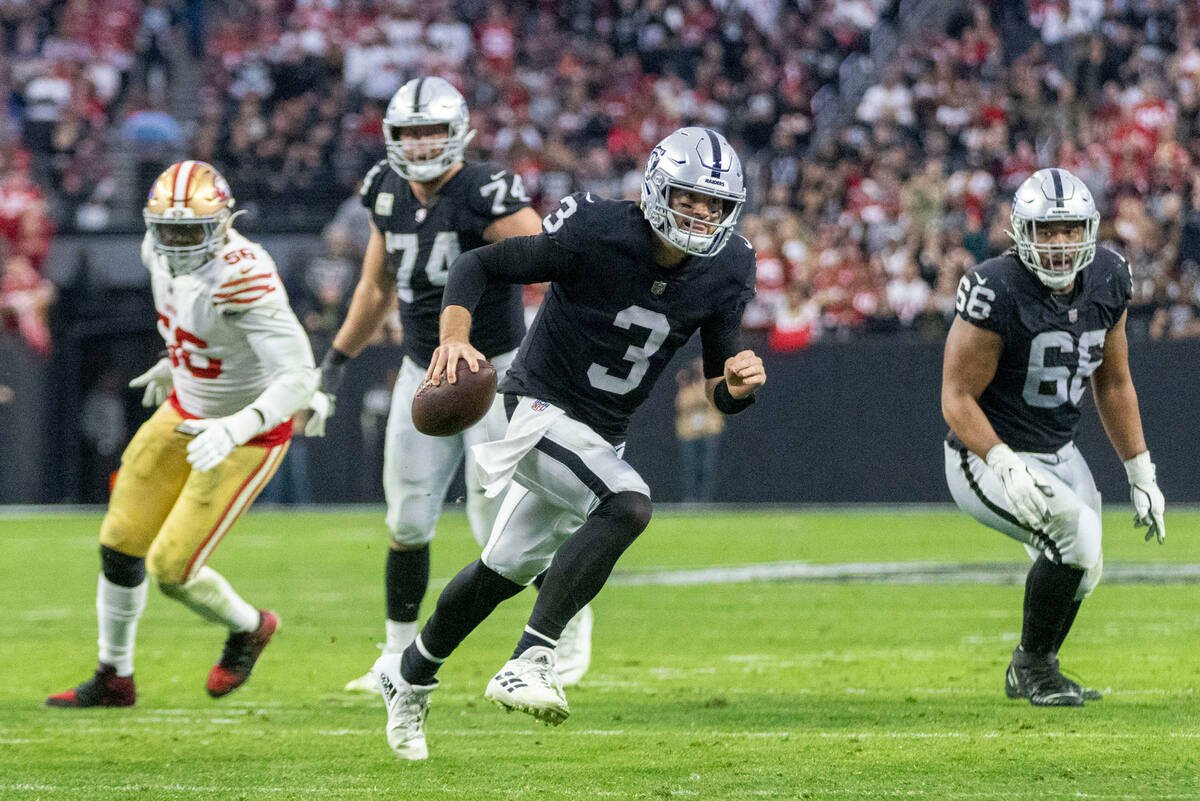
726	403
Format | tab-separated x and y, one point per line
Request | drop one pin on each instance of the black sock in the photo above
538	579
467	600
1049	599
583	563
406	578
1065	628
122	569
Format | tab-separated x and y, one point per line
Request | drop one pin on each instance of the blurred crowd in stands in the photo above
867	230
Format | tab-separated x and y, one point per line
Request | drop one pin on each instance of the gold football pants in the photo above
172	515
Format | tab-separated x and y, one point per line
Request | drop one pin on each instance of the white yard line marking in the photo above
896	573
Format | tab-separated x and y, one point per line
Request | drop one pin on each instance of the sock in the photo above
1049	599
538	579
399	635
118	610
467	600
209	595
1065	629
531	638
585	561
406	577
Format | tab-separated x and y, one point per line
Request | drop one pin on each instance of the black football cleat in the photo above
1039	680
242	649
1014	689
105	688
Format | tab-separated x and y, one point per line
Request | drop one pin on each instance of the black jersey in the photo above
1052	343
612	318
423	241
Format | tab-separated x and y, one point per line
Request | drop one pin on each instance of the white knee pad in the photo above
1082	546
413	523
1091	577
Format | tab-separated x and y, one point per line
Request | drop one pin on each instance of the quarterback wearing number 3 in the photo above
1034	326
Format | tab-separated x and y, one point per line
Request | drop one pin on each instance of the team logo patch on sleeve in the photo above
383	203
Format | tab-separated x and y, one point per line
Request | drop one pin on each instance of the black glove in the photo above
333	370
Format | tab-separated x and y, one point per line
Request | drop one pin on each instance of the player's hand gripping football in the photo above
157	381
744	374
1148	501
445	360
1024	487
215	438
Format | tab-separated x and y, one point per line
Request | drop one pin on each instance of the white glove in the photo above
321	406
1148	501
157	381
1025	490
215	438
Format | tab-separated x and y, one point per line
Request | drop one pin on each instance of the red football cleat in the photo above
105	688
241	652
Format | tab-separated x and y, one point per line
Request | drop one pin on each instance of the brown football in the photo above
447	409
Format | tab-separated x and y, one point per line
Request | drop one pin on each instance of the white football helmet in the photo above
1049	196
188	214
694	160
427	101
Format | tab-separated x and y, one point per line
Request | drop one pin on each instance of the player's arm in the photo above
522	222
1116	399
732	375
276	337
1117	403
517	260
372	301
968	366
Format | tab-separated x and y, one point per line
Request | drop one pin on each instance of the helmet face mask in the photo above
419	111
693	191
188	214
1054	225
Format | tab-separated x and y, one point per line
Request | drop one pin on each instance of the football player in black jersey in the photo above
1033	327
427	206
629	286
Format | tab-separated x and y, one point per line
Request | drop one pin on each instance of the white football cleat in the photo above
366	683
574	651
407	705
529	684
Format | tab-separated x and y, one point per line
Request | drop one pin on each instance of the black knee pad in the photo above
122	569
631	510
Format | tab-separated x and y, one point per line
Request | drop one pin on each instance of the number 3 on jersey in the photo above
599	376
442	254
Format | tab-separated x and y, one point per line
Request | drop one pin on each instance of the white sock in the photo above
118	610
399	635
209	595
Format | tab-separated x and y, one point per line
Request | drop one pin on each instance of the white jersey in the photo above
230	332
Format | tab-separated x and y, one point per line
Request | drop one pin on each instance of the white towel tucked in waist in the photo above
495	462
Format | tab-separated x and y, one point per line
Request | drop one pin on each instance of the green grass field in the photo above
748	690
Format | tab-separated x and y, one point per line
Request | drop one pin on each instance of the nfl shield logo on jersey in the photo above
539	406
658	287
1073	315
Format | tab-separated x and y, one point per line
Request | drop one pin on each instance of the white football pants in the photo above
417	469
556	486
1072	536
